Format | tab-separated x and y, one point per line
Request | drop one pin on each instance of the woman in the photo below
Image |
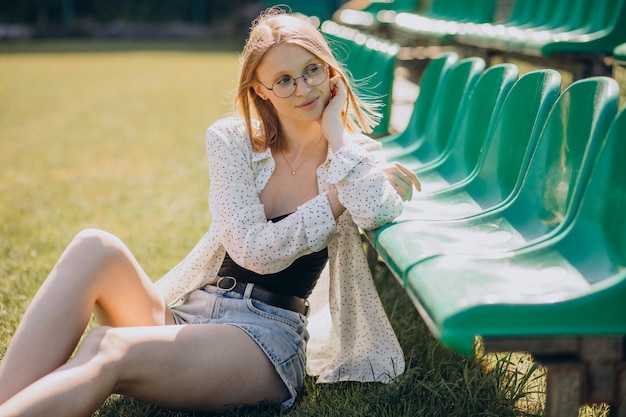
291	182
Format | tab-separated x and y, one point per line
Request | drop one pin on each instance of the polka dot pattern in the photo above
351	338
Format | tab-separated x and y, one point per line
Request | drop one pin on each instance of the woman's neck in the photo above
296	141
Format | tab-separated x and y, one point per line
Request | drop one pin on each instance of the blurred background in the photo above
28	19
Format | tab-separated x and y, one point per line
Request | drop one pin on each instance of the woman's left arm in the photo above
371	190
368	187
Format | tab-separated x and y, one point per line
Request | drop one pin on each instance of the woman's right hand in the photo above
403	180
332	120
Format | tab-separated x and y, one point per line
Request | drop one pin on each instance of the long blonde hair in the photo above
275	27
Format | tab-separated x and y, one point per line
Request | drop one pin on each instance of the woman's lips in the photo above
309	104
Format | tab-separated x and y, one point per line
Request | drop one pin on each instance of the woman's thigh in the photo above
200	366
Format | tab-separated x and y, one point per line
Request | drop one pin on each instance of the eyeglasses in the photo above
313	75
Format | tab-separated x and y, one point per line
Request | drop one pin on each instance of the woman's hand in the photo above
403	180
332	122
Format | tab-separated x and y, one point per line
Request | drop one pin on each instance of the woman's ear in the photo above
258	89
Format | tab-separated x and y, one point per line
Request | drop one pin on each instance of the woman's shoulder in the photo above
231	126
229	132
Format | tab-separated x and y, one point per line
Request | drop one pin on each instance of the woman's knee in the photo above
98	241
97	248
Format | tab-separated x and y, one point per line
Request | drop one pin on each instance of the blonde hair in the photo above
276	27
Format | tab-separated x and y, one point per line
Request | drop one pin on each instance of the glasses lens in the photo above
284	87
313	76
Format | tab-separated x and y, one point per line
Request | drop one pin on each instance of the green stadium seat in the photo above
543	205
430	81
567	18
571	285
619	54
444	19
319	9
375	13
524	15
454	88
558	27
371	62
504	157
470	131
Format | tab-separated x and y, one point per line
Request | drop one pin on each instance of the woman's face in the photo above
285	62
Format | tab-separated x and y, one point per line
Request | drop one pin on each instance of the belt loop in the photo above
248	291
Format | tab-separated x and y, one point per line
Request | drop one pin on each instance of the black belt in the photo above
288	302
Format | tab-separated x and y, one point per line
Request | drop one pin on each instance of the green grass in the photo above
114	139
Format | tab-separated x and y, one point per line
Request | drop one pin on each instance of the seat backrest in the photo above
522	12
619	53
428	85
471	128
479	11
340	39
600	222
395	5
455	88
604	14
370	61
601	31
511	143
379	67
577	15
323	10
441	9
551	190
560	15
543	12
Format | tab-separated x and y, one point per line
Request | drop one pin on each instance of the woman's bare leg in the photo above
200	366
96	270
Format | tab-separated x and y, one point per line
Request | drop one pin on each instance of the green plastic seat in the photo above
600	34
445	19
347	45
521	12
455	87
412	135
569	18
469	133
380	61
543	205
371	62
524	14
572	285
371	15
504	156
322	9
572	26
619	54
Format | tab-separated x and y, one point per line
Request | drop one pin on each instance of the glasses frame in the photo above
295	80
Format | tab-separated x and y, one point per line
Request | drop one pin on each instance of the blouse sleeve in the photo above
250	239
364	189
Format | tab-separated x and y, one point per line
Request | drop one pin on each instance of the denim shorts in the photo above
280	333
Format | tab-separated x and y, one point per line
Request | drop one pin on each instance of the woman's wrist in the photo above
335	205
339	139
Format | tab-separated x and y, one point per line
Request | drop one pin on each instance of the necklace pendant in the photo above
293	173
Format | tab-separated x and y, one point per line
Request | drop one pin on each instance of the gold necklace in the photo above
294	171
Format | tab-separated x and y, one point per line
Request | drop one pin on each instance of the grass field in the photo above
114	139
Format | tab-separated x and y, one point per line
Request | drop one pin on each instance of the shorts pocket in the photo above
281	315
